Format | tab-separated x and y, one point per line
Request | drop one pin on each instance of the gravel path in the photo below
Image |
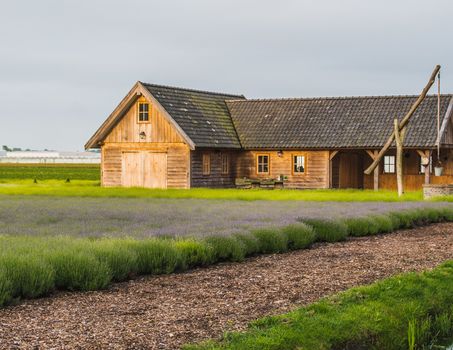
164	312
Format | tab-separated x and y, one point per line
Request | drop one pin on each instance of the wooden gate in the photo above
144	169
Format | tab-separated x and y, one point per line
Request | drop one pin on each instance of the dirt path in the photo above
166	311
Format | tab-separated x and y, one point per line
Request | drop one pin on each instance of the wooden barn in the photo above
167	137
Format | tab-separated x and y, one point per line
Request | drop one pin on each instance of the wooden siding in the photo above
413	179
316	163
448	136
158	129
216	177
160	137
177	162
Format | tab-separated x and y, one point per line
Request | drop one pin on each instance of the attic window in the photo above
143	112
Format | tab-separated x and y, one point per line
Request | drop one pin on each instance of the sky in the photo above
65	65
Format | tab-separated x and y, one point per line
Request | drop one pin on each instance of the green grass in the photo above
412	311
87	188
328	230
40	172
33	266
299	236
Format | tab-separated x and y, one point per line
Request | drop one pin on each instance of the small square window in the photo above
263	164
299	164
389	164
143	112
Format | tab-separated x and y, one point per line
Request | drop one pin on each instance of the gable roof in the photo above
217	120
345	122
203	115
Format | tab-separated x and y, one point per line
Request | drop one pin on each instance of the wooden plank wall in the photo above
160	136
215	178
177	162
158	129
413	179
316	175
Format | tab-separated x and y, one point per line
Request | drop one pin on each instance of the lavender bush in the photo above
146	217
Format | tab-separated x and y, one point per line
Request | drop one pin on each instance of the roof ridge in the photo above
193	90
330	98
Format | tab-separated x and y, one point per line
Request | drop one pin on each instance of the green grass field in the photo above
83	188
14	172
411	311
51	180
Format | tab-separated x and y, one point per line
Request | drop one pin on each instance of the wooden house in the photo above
167	137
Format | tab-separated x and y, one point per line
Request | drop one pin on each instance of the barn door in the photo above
155	170
132	175
144	169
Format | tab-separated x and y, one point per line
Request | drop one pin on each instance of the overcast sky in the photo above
65	65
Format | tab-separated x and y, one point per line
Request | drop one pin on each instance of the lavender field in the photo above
144	217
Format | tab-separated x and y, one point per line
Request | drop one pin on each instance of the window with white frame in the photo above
389	164
298	164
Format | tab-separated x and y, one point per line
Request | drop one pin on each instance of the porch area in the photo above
346	169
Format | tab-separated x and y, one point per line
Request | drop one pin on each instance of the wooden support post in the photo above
376	176
332	154
399	159
426	160
427	173
373	155
404	121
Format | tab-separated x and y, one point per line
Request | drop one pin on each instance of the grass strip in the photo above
40	172
409	311
33	266
86	186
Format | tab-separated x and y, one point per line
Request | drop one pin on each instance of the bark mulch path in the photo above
163	312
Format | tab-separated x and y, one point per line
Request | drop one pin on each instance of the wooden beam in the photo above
426	157
423	154
399	158
332	154
373	155
404	121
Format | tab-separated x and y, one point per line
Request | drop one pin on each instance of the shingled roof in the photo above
345	122
202	115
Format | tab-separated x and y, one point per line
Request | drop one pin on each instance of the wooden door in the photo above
155	170
144	169
349	170
132	175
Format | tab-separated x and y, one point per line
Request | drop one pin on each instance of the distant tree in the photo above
6	148
17	149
